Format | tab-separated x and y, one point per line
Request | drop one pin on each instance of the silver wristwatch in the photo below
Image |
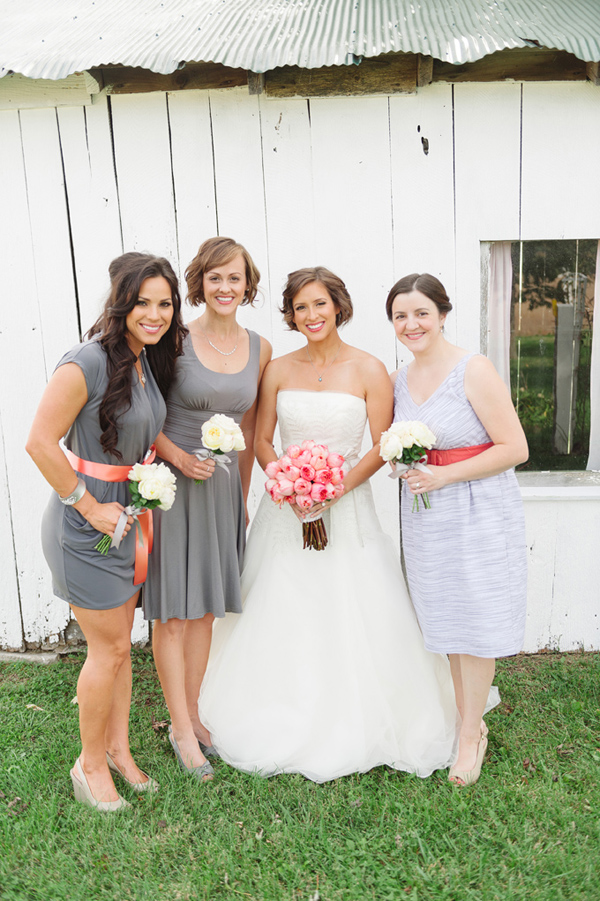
75	495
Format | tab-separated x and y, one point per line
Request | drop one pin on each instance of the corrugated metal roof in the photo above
53	38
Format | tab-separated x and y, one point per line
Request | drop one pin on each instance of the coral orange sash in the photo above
144	535
455	454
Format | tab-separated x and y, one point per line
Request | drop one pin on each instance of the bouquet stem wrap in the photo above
221	459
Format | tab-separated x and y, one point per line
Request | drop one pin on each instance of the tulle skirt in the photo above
325	672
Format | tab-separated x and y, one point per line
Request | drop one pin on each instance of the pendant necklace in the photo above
140	372
328	365
222	352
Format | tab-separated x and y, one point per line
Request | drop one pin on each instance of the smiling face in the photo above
151	316
416	320
224	286
314	311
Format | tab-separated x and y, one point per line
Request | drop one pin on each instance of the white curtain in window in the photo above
499	294
594	458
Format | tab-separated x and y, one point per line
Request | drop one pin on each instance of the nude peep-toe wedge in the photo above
151	785
470	777
83	792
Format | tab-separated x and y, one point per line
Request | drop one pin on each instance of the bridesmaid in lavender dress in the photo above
465	557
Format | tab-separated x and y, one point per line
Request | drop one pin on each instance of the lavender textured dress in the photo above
466	556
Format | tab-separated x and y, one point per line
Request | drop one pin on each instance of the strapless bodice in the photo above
327	417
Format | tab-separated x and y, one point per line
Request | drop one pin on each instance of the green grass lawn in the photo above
529	829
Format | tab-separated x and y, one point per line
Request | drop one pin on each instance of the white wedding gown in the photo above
325	672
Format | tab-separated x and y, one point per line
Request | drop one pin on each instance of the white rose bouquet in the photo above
404	444
220	435
150	486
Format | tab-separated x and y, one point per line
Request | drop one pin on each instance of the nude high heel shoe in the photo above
470	777
83	792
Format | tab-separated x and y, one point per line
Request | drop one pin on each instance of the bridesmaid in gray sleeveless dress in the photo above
465	557
194	573
106	397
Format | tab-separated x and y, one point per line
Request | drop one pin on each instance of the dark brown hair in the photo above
334	285
216	252
127	274
427	284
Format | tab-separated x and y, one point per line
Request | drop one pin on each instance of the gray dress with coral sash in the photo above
80	574
198	549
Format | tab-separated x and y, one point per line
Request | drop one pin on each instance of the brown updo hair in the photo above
216	252
427	284
334	285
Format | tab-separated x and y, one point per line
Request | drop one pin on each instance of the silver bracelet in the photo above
75	495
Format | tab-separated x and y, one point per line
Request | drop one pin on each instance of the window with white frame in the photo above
541	338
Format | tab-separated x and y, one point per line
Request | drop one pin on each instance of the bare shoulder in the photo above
482	379
479	366
266	350
370	365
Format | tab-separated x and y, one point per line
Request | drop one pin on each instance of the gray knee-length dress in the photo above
80	574
466	556
199	544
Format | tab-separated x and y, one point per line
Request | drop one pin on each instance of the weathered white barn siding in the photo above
340	182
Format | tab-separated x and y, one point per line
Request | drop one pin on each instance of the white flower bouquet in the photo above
404	444
151	486
220	435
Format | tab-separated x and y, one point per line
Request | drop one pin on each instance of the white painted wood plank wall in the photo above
341	182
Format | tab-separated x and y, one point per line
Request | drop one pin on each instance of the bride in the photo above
325	672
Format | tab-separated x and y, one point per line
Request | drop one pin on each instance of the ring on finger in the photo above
418	485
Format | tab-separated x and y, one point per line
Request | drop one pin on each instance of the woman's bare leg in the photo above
117	728
196	648
476	676
168	648
108	637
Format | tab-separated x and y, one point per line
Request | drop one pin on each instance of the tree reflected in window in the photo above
551	346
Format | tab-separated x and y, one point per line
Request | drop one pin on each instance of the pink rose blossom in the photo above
323	476
284	461
335	461
272	468
281	476
270	484
304	501
303	458
291	471
307	445
330	491
307	472
337	476
339	489
319	492
286	487
277	494
318	461
293	451
302	487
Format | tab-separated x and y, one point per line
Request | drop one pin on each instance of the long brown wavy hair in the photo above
127	273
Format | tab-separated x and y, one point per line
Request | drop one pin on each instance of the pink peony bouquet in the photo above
307	475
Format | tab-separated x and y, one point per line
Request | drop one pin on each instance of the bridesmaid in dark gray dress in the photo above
106	398
195	565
